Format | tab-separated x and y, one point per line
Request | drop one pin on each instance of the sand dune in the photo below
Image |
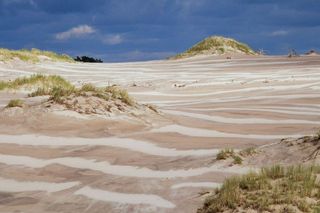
152	163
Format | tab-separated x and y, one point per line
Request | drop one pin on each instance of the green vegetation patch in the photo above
36	80
15	103
248	152
274	189
225	153
58	88
57	94
32	55
229	153
217	45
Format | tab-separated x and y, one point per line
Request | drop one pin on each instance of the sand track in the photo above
68	163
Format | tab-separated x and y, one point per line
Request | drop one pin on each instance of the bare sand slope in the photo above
67	162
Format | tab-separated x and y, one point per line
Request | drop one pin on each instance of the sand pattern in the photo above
206	104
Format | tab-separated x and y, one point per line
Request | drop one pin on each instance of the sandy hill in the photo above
216	45
312	53
33	55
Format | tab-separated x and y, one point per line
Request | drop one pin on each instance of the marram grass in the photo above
32	55
274	189
58	88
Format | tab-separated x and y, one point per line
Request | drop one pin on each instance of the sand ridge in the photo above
153	163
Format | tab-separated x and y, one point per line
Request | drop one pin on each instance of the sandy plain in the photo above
62	161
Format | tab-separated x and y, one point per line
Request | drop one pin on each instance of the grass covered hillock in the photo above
292	187
35	81
275	189
33	55
217	45
60	90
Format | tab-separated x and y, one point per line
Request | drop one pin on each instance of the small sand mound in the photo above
312	53
83	114
287	182
89	104
217	45
60	95
288	151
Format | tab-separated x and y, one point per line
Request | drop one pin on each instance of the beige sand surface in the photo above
62	161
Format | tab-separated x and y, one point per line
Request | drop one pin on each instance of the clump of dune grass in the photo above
34	81
229	153
89	88
121	94
15	103
316	136
273	189
248	152
32	55
237	159
225	153
58	88
216	45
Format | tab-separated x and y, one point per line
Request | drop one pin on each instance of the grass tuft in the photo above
224	154
58	88
36	80
248	152
237	159
217	45
121	94
32	55
15	103
89	88
288	188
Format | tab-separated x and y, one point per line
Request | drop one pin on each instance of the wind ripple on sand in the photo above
118	170
196	184
250	89
176	103
228	120
124	198
261	109
197	132
9	185
126	143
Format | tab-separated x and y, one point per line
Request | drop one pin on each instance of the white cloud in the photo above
113	39
78	31
8	2
279	33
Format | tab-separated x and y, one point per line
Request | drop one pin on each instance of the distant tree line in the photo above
88	59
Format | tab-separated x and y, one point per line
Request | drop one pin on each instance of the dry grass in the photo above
36	80
58	88
281	189
15	103
121	94
237	159
32	55
229	153
224	154
216	45
248	152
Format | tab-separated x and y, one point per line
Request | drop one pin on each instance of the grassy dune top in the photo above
275	189
32	55
35	81
58	88
58	94
217	45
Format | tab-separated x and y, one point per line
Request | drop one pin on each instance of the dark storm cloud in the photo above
149	29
